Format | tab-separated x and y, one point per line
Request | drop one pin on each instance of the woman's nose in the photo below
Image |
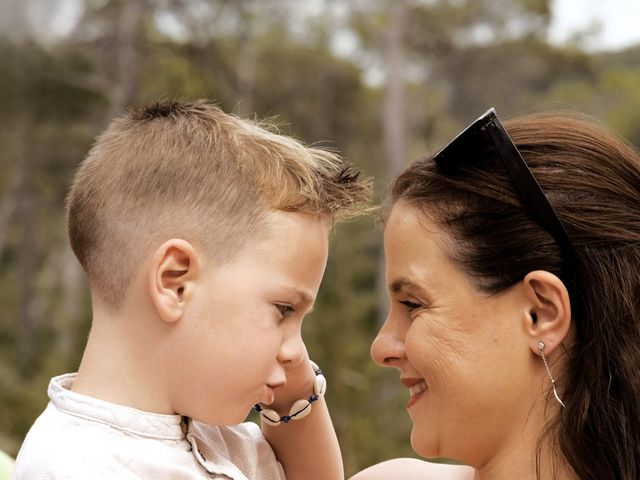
387	349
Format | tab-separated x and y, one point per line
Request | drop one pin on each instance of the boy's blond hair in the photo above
191	171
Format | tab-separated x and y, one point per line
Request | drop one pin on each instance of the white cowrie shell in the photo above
320	385
302	408
270	416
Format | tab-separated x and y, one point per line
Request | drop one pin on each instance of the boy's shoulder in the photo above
81	437
59	445
55	448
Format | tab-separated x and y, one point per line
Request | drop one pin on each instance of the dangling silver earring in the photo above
546	366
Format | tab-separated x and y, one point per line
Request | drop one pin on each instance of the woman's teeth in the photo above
420	387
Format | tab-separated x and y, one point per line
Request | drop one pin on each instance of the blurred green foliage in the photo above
270	59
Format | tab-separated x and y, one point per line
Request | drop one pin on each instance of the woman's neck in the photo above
524	461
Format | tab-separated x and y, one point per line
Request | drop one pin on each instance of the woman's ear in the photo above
549	318
174	267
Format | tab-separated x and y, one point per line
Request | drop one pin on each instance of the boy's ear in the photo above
549	316
174	266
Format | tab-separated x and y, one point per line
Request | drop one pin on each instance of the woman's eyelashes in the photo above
409	304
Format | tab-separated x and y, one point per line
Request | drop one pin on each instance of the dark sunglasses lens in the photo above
472	148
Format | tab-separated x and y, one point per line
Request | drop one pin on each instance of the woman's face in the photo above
463	354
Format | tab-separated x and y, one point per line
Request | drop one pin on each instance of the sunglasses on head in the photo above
487	136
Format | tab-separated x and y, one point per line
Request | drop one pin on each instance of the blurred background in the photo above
382	82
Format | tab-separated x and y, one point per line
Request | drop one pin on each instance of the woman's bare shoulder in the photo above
414	469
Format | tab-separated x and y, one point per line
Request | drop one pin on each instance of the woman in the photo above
515	303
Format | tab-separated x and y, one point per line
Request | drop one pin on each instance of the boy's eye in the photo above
410	305
284	310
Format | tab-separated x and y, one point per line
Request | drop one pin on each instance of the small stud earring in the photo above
546	366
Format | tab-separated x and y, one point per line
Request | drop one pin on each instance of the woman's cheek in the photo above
431	344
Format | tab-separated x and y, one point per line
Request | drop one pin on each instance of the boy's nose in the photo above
388	349
292	350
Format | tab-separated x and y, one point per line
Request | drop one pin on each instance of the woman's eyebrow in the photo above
404	283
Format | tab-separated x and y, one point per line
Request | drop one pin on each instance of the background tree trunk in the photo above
121	92
26	251
246	59
394	109
393	120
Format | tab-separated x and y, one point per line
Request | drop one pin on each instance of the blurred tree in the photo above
610	92
416	71
35	175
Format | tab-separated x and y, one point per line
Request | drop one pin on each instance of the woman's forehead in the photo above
417	250
412	228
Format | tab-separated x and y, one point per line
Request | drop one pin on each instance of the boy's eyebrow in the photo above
303	297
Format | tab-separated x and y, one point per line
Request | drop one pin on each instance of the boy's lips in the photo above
269	395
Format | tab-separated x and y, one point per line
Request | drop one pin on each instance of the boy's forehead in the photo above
285	229
283	218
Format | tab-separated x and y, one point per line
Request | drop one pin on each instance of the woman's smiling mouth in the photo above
416	386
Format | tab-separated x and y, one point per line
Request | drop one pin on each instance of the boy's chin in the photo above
221	420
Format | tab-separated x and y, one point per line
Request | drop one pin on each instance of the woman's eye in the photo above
410	305
284	310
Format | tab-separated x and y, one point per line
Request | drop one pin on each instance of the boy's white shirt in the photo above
80	437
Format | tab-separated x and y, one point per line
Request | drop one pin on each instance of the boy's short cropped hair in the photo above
188	170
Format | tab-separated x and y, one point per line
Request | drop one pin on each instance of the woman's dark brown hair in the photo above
592	179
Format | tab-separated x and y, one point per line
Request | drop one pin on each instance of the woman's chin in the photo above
425	447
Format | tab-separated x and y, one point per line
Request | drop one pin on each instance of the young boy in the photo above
204	238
